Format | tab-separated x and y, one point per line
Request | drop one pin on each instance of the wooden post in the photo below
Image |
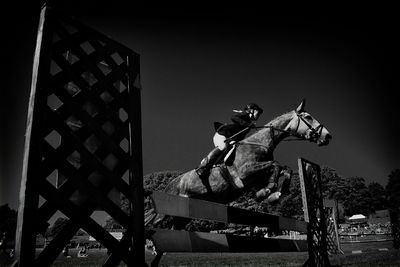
25	240
81	75
310	182
394	214
136	173
303	190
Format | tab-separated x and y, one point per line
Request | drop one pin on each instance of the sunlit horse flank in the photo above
253	166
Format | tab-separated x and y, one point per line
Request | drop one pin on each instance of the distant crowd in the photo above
365	229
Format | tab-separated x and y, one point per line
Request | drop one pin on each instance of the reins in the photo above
299	138
315	132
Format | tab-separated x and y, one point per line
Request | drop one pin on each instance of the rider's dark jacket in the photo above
241	121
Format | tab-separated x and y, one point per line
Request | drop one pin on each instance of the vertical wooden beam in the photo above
394	214
35	151
303	190
334	218
136	165
29	196
314	214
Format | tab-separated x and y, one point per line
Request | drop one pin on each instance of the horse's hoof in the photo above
274	197
261	194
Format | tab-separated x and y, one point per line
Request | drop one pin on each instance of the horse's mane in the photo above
276	122
280	117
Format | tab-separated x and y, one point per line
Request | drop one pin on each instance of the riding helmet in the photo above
253	106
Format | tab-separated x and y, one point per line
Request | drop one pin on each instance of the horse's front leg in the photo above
272	185
278	183
269	177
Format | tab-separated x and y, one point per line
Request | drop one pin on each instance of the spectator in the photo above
82	253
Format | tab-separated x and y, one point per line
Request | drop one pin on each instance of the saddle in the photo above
228	155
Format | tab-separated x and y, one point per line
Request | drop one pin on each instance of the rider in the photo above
228	134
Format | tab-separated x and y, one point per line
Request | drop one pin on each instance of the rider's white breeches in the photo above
219	141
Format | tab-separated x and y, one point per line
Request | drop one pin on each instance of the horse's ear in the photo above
300	108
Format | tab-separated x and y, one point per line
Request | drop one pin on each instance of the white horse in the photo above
253	166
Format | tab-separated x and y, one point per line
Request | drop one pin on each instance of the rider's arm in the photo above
242	119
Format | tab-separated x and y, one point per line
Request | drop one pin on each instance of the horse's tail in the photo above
151	217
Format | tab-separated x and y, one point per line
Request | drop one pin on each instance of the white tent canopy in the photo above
357	217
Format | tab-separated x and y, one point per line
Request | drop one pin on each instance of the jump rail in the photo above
200	209
209	242
183	241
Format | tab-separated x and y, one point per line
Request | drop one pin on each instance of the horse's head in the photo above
307	127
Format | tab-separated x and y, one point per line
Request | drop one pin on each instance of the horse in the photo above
252	165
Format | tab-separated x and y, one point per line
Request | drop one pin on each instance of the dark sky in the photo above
198	64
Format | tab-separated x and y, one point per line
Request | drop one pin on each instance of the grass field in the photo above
371	256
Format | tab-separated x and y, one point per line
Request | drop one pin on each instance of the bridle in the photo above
315	133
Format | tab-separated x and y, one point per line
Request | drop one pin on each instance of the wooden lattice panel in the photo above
333	241
310	182
395	226
83	141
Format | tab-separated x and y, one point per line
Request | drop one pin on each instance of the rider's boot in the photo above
205	165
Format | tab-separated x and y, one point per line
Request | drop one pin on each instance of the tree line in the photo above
355	195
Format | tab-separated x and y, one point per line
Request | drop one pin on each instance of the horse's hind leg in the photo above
179	223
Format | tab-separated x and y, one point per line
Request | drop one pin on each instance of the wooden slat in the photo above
310	181
303	189
182	241
52	250
81	217
28	196
292	224
114	259
41	159
93	161
136	161
201	209
76	180
190	208
242	216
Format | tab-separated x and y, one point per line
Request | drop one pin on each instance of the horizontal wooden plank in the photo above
292	224
182	241
189	208
248	217
200	209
